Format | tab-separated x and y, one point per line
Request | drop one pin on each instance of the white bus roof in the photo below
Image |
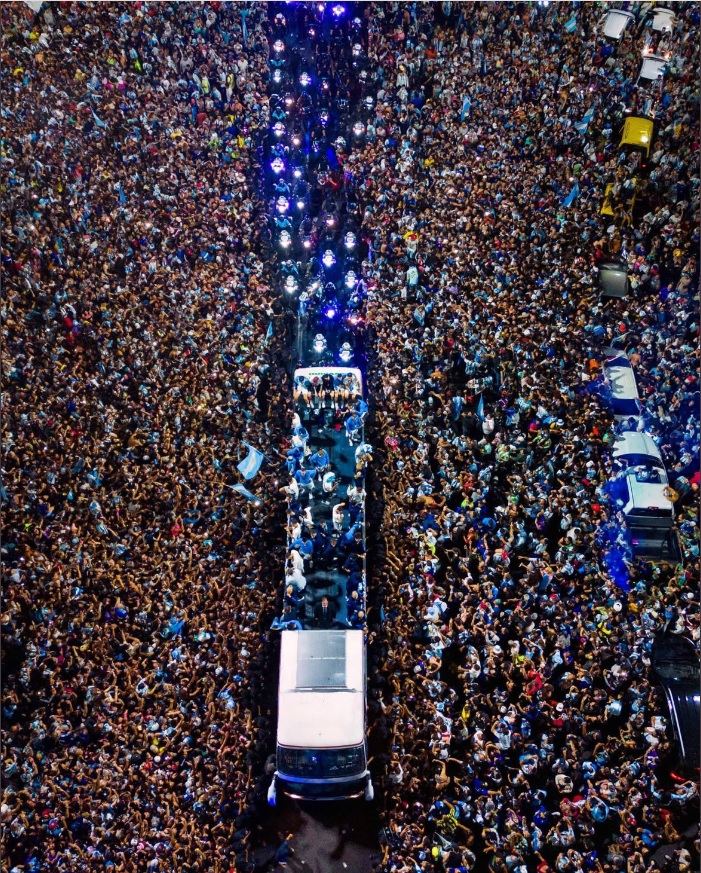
312	372
321	702
622	378
631	442
616	22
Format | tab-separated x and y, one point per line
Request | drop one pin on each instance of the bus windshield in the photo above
321	763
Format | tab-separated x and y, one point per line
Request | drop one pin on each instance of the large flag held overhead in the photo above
572	196
251	463
244	492
581	126
571	25
98	121
480	408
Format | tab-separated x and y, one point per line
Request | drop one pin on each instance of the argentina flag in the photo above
98	121
244	492
251	463
572	196
582	125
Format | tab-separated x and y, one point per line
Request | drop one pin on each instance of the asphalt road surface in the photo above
326	837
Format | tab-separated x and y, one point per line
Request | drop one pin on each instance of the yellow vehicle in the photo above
606	207
637	133
622	208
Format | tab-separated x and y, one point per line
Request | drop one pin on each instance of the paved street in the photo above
326	837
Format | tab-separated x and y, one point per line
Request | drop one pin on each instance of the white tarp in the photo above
34	5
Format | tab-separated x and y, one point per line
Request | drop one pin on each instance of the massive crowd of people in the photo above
525	726
136	359
143	341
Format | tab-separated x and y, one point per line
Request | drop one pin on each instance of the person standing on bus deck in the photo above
294	458
295	579
353	604
305	478
328	389
324	613
361	407
293	599
304	545
320	460
337	514
356	499
300	435
353	425
329	486
363	456
352	540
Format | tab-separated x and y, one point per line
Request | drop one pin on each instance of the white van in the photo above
642	485
616	22
663	20
624	389
652	70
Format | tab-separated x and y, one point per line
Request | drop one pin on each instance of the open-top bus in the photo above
321	751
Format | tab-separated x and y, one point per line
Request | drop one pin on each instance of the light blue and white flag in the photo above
269	333
98	121
480	408
571	25
581	126
244	492
466	107
572	196
251	463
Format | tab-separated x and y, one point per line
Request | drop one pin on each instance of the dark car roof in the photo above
675	663
684	701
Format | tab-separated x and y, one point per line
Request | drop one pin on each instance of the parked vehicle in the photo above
616	22
663	20
637	133
652	70
625	398
613	277
675	664
641	491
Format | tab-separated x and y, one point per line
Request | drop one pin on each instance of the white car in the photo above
663	20
616	23
652	69
625	398
643	483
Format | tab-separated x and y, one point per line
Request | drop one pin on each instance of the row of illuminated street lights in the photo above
327	281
